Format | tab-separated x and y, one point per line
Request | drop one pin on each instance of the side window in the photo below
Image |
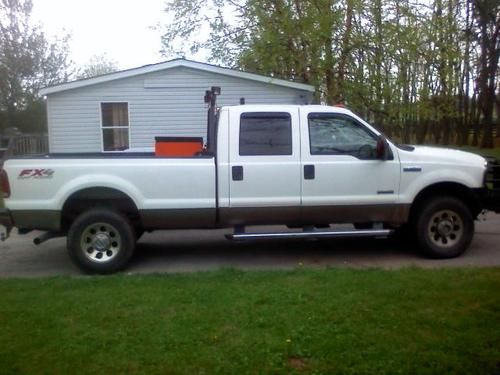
115	124
267	133
335	134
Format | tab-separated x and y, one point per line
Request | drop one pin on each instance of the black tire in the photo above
444	227
101	241
139	232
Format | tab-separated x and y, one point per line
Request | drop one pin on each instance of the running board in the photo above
311	234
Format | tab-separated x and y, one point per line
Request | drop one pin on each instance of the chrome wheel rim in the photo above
101	242
445	228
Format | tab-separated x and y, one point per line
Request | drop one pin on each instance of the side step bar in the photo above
311	234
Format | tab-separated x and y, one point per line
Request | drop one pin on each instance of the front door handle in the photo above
309	172
237	173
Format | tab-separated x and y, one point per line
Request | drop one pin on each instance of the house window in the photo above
115	126
265	134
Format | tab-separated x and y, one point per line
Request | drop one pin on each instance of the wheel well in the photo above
450	189
98	197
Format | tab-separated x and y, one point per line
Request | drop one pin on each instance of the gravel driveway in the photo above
193	250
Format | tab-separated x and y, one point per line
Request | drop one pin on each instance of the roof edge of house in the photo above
168	65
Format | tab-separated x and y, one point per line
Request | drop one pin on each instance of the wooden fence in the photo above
26	144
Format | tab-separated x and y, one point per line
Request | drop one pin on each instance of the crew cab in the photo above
301	166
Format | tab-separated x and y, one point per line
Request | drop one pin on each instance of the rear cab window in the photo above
265	133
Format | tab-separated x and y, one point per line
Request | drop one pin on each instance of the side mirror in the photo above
383	151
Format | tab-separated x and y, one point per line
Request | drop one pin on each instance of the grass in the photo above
333	321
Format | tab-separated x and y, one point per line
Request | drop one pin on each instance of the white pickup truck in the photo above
301	166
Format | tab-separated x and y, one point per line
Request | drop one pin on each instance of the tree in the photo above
97	65
487	14
205	25
28	61
423	70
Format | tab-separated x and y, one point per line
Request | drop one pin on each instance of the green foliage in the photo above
28	61
332	321
407	66
31	119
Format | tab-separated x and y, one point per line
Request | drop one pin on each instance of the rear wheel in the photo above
444	227
101	241
139	232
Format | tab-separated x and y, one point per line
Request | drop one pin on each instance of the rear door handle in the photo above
237	173
309	172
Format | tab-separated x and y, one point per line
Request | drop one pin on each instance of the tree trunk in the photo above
489	24
344	54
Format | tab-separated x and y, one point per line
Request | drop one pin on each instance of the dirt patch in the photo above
297	363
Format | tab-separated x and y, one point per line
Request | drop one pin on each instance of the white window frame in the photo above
102	127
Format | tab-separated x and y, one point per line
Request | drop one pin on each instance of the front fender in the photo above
412	183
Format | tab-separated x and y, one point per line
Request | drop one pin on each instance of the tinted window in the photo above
334	134
265	134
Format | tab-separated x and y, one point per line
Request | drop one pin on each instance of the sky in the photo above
119	29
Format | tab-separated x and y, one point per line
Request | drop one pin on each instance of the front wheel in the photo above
444	227
101	241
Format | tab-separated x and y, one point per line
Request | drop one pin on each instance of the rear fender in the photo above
98	180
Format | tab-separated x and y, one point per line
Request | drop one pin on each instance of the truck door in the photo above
264	166
343	181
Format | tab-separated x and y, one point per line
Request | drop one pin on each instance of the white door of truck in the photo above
342	179
264	165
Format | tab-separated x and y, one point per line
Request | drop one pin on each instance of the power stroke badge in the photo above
35	173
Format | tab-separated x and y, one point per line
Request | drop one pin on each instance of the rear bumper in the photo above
7	222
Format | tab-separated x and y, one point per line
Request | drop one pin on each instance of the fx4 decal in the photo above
35	173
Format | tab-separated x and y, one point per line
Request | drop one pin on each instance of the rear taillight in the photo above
4	179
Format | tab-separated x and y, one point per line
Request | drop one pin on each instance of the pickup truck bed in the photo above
163	194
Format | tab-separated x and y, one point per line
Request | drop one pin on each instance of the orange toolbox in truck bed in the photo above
178	146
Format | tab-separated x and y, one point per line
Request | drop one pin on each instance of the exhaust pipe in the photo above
45	237
211	100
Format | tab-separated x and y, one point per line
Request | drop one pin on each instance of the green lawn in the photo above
409	321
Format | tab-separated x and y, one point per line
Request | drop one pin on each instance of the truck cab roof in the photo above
284	108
